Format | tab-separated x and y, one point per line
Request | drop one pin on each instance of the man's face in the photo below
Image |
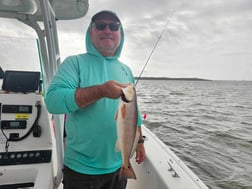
105	40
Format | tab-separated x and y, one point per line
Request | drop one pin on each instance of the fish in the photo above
127	133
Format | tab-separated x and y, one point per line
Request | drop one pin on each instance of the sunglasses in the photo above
113	26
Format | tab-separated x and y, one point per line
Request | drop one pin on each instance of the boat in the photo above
31	139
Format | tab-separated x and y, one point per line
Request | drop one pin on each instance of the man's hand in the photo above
112	89
88	95
140	153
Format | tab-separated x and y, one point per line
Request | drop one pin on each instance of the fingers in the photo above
113	89
140	153
116	84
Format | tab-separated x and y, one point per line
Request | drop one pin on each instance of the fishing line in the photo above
154	47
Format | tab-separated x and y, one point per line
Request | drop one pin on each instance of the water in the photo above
208	124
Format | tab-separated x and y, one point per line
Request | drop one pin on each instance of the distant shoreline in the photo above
172	78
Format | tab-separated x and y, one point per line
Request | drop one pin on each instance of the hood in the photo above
92	50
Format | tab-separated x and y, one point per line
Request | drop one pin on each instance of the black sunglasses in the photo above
113	26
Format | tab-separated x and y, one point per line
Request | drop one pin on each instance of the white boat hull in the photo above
162	169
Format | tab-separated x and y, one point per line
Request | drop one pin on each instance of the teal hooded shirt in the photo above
91	131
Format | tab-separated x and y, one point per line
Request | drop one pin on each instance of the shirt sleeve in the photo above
60	96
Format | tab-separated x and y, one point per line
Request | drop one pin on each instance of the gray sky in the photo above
205	39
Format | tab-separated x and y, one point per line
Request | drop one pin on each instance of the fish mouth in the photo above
124	99
127	93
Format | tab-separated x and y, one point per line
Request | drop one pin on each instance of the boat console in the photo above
26	135
31	139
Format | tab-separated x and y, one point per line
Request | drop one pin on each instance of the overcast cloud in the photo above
205	39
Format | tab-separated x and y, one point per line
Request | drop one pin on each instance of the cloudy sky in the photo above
209	39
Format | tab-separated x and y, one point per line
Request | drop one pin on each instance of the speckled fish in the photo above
127	134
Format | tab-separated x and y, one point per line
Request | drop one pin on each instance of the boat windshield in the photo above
19	49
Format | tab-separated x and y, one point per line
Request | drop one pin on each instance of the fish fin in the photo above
123	111
117	146
135	144
127	172
116	115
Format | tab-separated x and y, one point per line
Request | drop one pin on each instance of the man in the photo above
86	88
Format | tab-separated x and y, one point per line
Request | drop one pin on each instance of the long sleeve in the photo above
60	94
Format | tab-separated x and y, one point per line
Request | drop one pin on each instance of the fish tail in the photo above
127	172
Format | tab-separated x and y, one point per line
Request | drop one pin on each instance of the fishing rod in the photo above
154	47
